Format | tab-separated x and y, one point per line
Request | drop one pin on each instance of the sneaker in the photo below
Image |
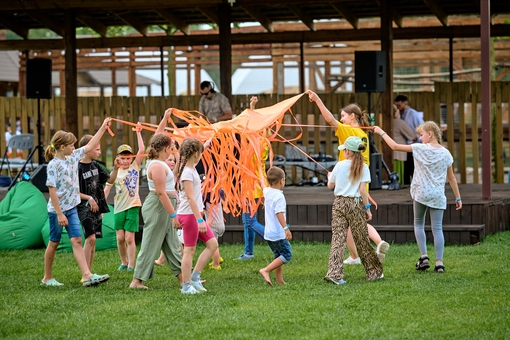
96	280
245	257
382	249
188	289
51	283
337	282
212	266
130	269
350	260
198	286
122	267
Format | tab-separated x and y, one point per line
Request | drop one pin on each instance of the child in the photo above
64	189
190	216
92	178
351	118
127	202
159	215
351	210
214	218
276	232
433	164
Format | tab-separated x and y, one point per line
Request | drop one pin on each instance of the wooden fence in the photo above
451	104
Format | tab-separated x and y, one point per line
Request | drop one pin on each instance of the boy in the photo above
127	202
92	178
276	232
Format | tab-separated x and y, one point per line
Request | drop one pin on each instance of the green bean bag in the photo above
23	214
109	240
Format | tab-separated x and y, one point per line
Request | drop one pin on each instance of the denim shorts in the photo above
281	249
73	226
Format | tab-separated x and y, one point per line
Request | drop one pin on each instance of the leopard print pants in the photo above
349	212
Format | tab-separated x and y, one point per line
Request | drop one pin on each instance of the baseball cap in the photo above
352	143
124	148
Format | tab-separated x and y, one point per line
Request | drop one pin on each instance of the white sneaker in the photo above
189	290
382	249
350	260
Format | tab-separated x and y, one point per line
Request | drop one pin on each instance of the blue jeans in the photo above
251	227
281	249
73	226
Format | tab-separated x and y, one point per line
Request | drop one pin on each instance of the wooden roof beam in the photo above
211	13
346	13
48	22
438	11
133	21
20	30
395	15
93	23
174	20
305	18
260	17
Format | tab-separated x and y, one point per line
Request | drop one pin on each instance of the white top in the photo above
190	174
170	181
340	176
63	175
430	169
274	203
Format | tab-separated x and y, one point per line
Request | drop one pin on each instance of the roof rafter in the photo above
174	20
305	18
20	30
211	13
134	22
256	14
47	22
438	11
92	23
346	13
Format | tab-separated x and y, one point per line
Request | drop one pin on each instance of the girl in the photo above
159	214
64	189
433	164
351	210
351	119
190	216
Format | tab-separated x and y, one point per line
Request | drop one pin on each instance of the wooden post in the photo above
225	49
71	123
197	69
132	74
485	32
114	81
327	74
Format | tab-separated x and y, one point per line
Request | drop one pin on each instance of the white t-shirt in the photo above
63	175
340	176
190	174
430	169
274	203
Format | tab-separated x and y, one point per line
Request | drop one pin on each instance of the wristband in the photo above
368	206
458	199
382	134
286	227
173	215
200	220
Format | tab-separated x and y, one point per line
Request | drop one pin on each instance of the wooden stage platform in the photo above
309	214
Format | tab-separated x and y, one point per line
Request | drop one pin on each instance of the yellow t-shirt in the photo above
126	186
345	131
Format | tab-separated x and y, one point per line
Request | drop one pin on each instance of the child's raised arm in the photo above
164	121
97	137
391	143
139	157
328	116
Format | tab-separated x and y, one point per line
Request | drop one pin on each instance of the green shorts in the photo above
128	220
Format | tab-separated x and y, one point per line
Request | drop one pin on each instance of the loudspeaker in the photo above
38	78
38	178
375	171
369	71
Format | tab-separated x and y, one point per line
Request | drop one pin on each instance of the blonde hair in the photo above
431	126
361	116
188	147
157	143
84	140
275	175
357	163
60	138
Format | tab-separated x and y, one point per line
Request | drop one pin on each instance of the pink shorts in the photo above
190	230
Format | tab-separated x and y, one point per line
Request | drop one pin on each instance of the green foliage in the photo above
469	301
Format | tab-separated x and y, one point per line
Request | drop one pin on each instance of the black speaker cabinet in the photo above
38	178
39	78
375	171
369	71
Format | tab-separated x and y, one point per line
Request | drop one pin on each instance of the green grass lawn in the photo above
470	301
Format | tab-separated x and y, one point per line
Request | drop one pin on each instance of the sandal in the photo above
439	269
421	264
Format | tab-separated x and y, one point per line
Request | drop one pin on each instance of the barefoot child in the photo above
276	232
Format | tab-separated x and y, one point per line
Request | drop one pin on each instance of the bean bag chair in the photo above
23	214
109	240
